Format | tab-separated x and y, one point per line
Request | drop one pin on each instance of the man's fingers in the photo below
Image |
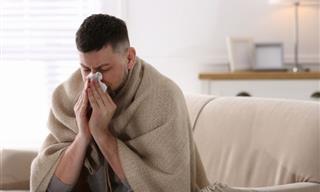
104	96
83	99
86	83
92	99
101	93
84	102
96	94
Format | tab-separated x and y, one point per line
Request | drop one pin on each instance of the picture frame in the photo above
269	56
240	53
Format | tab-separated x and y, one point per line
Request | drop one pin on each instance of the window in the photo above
37	52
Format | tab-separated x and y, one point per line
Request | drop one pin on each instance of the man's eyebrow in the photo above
104	64
83	65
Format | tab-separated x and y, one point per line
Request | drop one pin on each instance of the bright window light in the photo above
37	52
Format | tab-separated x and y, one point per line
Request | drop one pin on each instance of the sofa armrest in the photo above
15	168
293	187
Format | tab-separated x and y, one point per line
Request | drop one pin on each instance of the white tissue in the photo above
98	76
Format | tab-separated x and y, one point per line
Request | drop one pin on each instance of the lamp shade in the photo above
302	2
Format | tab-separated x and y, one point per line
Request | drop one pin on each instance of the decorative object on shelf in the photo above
297	67
240	53
269	57
315	95
243	94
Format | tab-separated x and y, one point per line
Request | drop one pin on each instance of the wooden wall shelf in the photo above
258	75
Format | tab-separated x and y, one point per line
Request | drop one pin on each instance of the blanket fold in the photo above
152	127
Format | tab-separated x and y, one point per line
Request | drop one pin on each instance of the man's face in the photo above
112	64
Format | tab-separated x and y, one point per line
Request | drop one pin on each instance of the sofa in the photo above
269	145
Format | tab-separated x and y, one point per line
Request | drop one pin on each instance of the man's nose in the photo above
93	70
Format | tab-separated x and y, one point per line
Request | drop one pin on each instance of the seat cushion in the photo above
15	169
293	187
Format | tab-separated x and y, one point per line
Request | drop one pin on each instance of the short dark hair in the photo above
99	30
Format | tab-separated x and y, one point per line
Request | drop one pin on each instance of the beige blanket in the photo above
151	123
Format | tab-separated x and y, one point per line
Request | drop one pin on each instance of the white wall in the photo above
183	37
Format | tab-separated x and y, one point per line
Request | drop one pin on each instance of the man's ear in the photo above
131	57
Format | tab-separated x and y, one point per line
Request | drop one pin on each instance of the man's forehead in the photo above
96	59
96	66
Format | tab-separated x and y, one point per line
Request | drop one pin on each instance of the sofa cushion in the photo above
252	142
292	187
15	169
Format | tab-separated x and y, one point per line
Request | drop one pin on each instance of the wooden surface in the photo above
257	75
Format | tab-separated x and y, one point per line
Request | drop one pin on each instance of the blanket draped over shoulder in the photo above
152	128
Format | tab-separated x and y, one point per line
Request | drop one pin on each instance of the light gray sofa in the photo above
268	144
273	144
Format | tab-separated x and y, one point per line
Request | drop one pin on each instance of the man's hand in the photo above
80	110
71	162
103	109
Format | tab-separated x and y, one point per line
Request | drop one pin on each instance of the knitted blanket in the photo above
151	123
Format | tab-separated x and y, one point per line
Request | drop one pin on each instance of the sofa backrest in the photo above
252	142
195	104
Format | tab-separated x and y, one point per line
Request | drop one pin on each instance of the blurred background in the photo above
181	38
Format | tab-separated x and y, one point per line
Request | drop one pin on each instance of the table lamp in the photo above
296	4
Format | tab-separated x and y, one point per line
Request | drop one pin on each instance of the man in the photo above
134	137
